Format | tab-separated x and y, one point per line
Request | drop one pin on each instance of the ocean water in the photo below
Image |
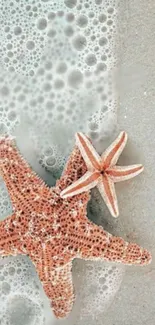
59	67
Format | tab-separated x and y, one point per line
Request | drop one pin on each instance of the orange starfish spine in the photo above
101	171
53	231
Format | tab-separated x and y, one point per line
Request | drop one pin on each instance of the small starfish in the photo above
53	231
102	171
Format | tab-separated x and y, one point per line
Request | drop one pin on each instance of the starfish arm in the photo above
9	240
123	173
89	154
107	190
99	244
60	290
74	169
84	184
21	181
57	284
112	153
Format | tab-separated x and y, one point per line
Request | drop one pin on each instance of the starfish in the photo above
102	171
53	231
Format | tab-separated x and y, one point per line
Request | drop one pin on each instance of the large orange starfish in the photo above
102	171
53	231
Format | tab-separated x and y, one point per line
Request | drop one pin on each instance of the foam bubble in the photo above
110	10
70	17
102	18
42	23
30	45
69	31
61	67
46	87
4	91
17	30
103	41
82	21
75	78
79	42
101	67
93	126
58	84
70	3
51	15
91	59
98	2
50	161
5	288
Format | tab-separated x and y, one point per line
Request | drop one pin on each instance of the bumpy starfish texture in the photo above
53	231
102	171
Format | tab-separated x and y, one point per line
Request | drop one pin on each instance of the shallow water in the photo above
58	62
